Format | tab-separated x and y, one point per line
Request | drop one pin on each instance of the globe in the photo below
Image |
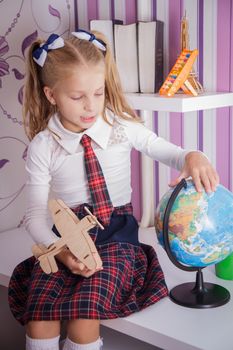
200	226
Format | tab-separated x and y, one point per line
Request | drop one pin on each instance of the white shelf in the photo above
180	102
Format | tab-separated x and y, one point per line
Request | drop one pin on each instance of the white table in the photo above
173	327
165	324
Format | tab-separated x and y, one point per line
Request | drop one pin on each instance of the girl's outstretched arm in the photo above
200	169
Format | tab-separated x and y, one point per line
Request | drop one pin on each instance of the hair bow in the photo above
54	42
84	35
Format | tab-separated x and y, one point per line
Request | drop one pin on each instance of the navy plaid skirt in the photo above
131	280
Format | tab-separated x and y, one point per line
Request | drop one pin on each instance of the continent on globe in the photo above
200	225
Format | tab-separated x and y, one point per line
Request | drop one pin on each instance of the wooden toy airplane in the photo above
74	236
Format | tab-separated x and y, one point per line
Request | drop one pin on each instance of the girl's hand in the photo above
200	169
74	265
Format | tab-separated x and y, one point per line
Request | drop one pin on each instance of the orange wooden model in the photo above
74	236
178	76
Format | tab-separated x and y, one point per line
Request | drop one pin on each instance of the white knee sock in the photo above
69	345
42	344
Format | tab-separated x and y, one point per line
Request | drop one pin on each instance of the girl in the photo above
79	122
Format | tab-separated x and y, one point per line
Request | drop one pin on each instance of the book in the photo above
106	27
125	37
159	62
150	56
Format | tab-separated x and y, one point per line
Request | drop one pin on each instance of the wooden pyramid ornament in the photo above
74	236
185	44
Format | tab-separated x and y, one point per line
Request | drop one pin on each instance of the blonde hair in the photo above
37	110
114	97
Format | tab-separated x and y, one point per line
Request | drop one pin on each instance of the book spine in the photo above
159	73
125	37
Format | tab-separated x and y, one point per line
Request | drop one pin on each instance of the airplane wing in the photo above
74	233
46	259
59	211
85	249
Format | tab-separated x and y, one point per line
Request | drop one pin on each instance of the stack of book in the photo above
138	51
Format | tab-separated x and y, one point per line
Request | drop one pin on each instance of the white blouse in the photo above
55	166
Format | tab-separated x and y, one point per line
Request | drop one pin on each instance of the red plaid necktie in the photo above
102	205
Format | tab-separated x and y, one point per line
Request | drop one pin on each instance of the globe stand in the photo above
197	295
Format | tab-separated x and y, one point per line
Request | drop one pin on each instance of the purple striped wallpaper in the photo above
130	11
92	8
211	29
112	9
224	75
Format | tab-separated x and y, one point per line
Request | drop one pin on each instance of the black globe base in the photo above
199	295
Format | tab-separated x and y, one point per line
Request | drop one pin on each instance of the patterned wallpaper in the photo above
21	22
211	31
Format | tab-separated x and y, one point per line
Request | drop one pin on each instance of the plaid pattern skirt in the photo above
131	280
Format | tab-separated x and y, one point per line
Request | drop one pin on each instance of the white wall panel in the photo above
209	76
144	10
163	117
119	10
83	22
190	120
104	9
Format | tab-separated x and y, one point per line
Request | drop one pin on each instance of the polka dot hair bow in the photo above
54	42
84	35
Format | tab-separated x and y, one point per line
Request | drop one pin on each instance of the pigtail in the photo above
36	108
114	96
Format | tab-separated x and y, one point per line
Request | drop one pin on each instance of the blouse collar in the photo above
99	132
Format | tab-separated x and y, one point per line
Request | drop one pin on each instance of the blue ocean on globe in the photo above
200	225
